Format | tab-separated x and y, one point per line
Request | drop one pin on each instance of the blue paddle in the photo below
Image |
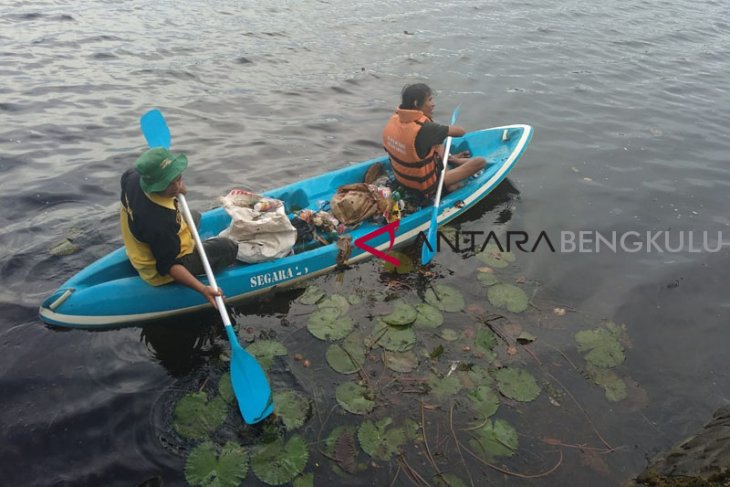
249	381
429	249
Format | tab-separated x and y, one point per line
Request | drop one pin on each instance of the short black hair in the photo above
414	96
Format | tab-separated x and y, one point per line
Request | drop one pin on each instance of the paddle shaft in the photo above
204	258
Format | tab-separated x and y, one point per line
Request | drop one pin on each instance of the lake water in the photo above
630	105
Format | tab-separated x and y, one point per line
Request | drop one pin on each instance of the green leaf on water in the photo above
225	388
428	316
613	385
293	408
487	278
394	339
347	357
203	467
448	480
327	324
508	296
277	463
450	335
479	376
492	256
354	299
196	418
335	301
517	384
495	439
445	298
437	352
484	400
341	447
526	337
602	347
355	398
444	387
485	340
378	441
401	361
312	295
403	314
306	480
265	351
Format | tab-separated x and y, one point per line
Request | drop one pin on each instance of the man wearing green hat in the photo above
157	238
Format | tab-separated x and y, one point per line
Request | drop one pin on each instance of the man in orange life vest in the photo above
413	142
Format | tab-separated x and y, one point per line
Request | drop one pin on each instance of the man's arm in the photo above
183	276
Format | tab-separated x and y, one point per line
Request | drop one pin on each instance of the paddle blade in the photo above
155	129
250	386
455	114
428	249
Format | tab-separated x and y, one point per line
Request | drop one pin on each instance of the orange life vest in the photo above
399	141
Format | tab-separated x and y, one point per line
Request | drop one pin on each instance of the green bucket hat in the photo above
158	167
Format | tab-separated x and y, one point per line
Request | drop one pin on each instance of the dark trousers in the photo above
221	253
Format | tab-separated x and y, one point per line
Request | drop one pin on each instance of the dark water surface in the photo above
630	108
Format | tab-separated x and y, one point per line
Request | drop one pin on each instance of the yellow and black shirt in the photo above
155	233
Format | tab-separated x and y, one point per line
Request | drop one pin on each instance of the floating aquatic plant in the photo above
228	469
428	316
479	376
487	278
293	408
517	384
444	387
306	480
484	400
448	480
196	417
327	324
445	298
613	385
485	340
495	439
393	339
494	257
225	388
403	314
601	345
277	463
265	351
406	263
378	441
355	398
508	296
341	447
401	361
335	301
347	357
450	334
312	295
354	299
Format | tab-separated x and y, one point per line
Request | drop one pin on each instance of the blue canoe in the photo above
109	293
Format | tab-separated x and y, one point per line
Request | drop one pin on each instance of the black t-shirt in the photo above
431	134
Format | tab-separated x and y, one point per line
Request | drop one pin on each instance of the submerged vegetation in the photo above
431	385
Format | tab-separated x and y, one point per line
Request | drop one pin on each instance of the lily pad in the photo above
225	388
229	469
445	298
293	408
355	398
526	337
450	335
485	340
196	418
347	357
517	384
479	376
602	346
403	314
341	447
306	480
265	351
378	441
613	385
406	263
494	257
508	296
487	278
444	387
449	480
394	339
312	295
336	301
327	324
277	463
428	316
63	248
401	362
354	299
484	400
495	439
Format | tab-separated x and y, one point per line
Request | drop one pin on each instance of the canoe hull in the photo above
109	293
